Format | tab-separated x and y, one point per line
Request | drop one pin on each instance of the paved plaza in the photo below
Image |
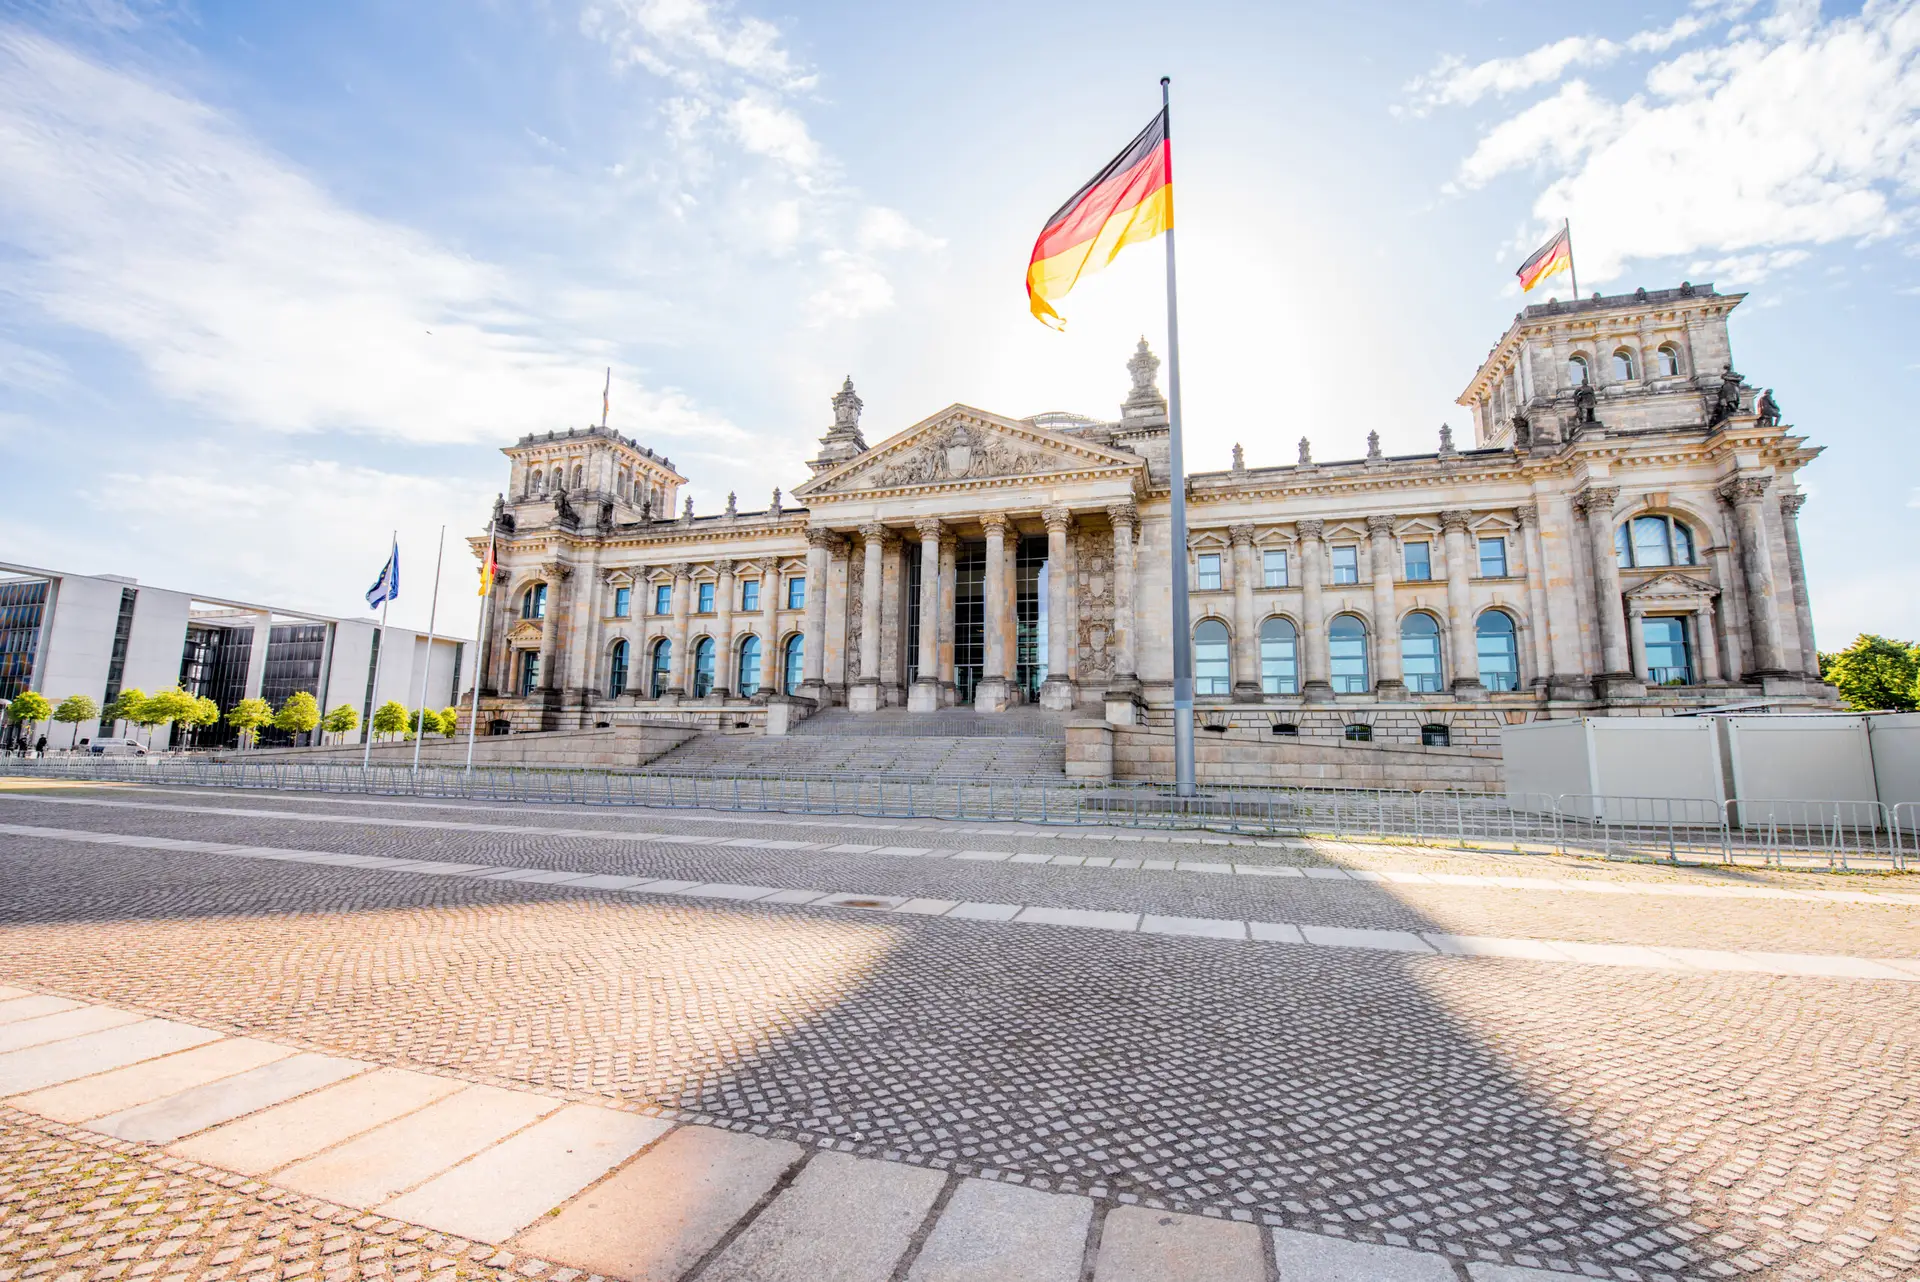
257	1035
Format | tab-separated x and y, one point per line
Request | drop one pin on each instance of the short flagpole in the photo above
1177	540
426	668
479	655
1566	225
380	645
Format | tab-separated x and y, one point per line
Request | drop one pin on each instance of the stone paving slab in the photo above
388	1160
503	1189
62	1061
659	1215
1142	1245
285	1133
845	1218
42	1029
165	1120
1312	1257
150	1079
995	1232
32	1007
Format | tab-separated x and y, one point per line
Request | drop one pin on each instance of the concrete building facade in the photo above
64	634
1619	534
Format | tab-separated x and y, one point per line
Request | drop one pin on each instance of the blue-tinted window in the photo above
663	598
1420	653
1346	563
1499	651
1493	558
1347	655
1211	663
747	680
1275	565
750	595
797	593
706	598
1209	572
1419	562
622	602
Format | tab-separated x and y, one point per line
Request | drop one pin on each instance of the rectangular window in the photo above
1346	564
706	598
750	595
1275	565
1493	558
1210	572
797	593
622	602
1419	562
529	671
663	598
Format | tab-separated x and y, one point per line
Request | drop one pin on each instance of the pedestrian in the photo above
40	746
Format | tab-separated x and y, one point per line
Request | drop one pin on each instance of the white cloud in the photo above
28	369
1797	131
683	38
765	128
855	287
883	229
246	291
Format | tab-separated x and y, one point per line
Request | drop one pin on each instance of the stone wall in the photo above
1243	756
620	747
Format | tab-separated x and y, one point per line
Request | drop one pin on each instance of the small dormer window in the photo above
1669	360
1577	371
1624	370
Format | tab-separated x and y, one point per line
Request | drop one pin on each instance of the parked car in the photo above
117	748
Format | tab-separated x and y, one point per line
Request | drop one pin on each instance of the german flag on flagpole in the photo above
488	567
1129	201
1554	256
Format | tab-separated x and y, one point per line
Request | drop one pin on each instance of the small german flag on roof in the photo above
1131	200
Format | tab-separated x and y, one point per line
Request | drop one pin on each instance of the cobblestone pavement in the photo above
76	1207
1622	1122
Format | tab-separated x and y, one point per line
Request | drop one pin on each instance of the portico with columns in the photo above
1620	539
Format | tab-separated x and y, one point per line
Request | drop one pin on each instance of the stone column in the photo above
992	694
1126	664
1388	681
1246	645
557	573
680	675
813	654
1057	693
949	582
1535	570
723	668
1595	504
1637	639
492	640
1747	496
769	627
1790	505
1318	687
1466	655
865	694
925	694
1706	652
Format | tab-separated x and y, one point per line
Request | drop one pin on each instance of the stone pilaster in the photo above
1460	566
1246	642
1790	505
813	654
1057	692
1747	495
1388	681
949	582
1595	506
925	694
864	695
1533	567
557	573
769	628
1318	687
680	678
993	693
724	667
1125	681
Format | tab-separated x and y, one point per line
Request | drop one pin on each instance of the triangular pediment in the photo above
526	631
964	446
1672	587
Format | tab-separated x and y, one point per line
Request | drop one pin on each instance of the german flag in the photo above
1554	256
488	568
1129	201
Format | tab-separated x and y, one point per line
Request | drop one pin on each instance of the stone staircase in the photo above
954	743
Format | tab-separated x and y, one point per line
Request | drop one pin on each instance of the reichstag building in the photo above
1619	535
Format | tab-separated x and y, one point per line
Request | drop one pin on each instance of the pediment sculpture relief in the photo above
527	630
964	451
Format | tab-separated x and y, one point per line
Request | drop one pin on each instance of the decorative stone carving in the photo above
563	513
1596	498
686	518
1726	398
723	567
928	527
1744	489
1124	514
774	510
683	570
556	571
1585	411
1144	400
1239	458
1446	440
1094	597
768	567
994	521
964	453
1790	504
1767	410
1242	535
1527	514
1455	519
502	519
1310	529
1306	453
1379	526
1373	448
1522	431
1056	517
733	504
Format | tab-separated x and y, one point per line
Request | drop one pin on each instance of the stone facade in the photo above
1619	536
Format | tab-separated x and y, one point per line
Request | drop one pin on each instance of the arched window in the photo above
1211	667
747	683
535	481
1347	655
796	662
1652	542
1668	358
1624	366
703	667
533	603
578	475
1499	653
1420	653
662	668
1576	371
1359	733
617	670
1436	736
1279	657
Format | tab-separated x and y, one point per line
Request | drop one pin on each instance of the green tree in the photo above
1875	673
74	709
342	720
449	722
298	715
28	707
425	721
248	715
163	707
205	713
390	718
124	705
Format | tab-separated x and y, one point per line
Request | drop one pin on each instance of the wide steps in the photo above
917	756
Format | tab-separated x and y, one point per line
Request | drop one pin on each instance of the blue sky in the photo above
275	279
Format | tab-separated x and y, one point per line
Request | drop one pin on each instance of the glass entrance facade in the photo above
1030	617
969	618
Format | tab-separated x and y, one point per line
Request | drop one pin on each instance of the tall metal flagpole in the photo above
379	657
1177	540
479	656
426	668
1566	225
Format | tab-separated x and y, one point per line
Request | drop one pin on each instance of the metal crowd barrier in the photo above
1796	834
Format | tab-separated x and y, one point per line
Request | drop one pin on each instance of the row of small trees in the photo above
299	713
